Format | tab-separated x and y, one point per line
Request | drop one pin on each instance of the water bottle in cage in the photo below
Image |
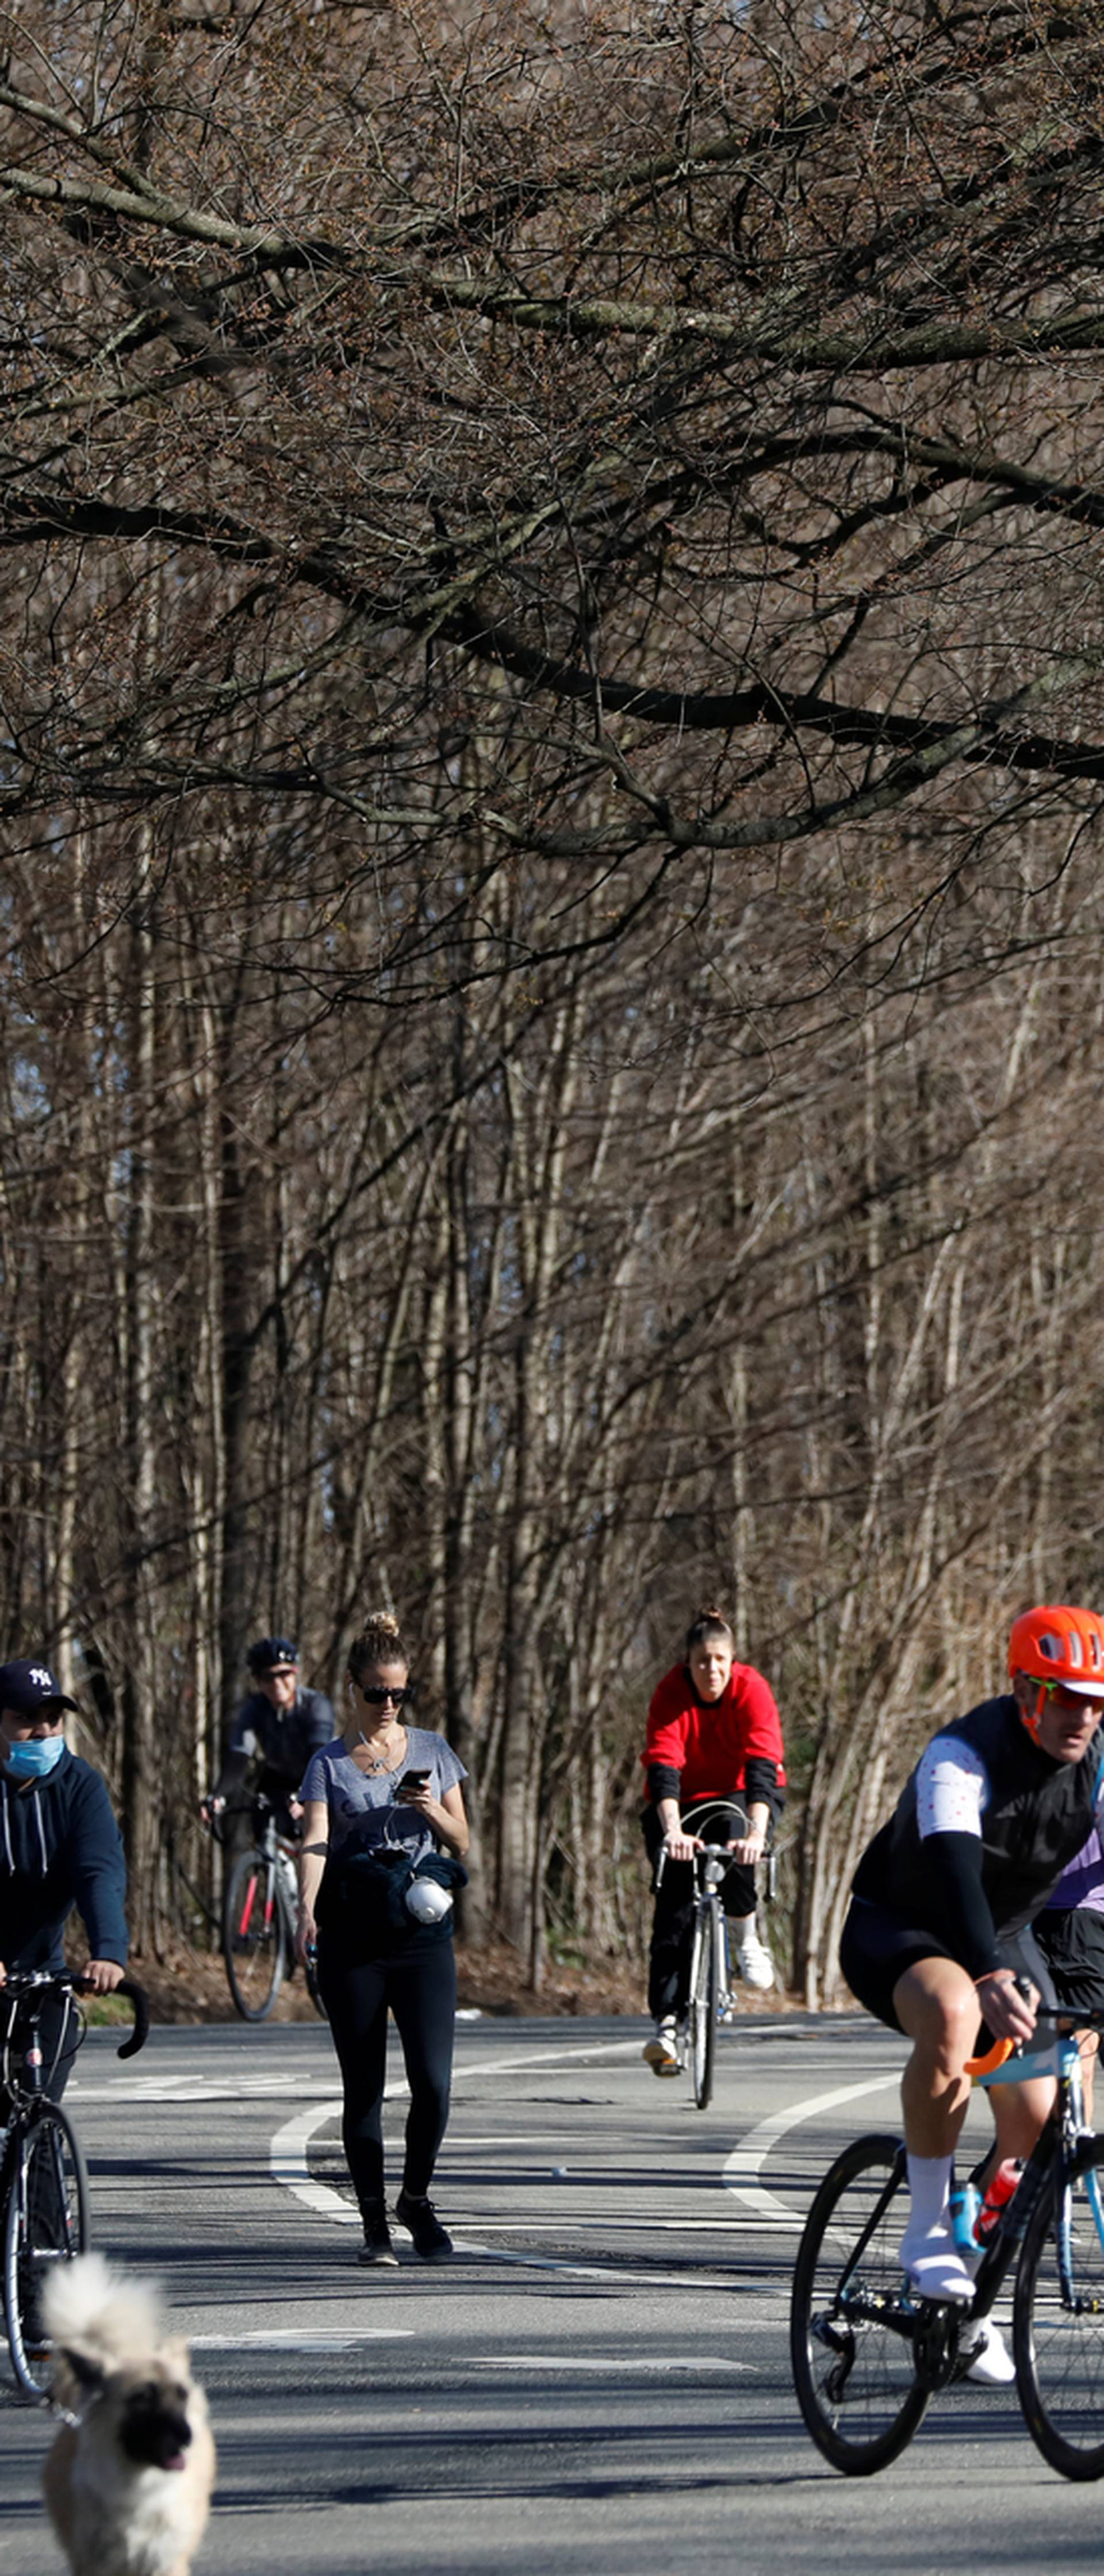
997	2196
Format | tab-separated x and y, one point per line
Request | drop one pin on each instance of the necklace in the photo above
377	1762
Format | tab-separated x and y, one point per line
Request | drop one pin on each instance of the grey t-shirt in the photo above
363	1808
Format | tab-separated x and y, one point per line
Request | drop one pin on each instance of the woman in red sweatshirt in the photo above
713	1732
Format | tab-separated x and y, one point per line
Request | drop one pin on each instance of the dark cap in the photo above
270	1653
31	1689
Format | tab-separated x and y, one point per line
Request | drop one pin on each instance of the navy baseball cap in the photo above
31	1689
272	1655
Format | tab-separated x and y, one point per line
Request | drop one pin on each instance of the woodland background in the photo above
551	749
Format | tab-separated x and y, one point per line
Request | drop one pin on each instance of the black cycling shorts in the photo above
877	1948
1071	1939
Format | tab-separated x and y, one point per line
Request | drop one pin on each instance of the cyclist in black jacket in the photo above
276	1730
59	1848
939	1927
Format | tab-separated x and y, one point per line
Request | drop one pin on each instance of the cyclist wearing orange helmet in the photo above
939	1926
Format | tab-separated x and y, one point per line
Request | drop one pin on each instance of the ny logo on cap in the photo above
40	1674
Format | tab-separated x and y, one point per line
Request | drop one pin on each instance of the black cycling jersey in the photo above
1035	1814
280	1740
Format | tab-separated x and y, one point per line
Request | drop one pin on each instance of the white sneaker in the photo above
755	1963
933	2263
661	2053
991	2365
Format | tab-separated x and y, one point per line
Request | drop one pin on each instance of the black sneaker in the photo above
377	2246
430	2239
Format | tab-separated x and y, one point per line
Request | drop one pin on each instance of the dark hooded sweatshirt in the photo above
59	1847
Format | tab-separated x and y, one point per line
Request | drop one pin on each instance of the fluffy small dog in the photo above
128	2486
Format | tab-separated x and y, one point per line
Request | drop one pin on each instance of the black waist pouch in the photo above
362	1901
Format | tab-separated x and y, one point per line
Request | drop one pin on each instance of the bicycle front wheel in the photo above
703	2009
1058	2322
854	2371
253	1940
45	2223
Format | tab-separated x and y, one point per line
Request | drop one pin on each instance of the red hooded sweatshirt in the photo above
710	1744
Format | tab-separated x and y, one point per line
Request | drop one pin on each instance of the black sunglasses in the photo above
379	1698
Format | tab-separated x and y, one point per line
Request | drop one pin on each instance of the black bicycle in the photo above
709	1991
868	2354
259	1909
43	2177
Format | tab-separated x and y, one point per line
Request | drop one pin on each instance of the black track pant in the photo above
421	1993
58	2035
673	1920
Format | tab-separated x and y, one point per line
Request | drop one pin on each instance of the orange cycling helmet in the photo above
1058	1645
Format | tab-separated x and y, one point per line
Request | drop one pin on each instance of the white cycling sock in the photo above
929	2184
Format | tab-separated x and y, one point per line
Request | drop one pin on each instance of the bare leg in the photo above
937	2007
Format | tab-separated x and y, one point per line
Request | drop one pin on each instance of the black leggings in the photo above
673	1920
421	1992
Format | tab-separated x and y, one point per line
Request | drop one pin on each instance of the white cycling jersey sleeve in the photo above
952	1787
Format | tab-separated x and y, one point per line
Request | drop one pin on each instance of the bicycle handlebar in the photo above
258	1808
137	1996
68	1981
998	2055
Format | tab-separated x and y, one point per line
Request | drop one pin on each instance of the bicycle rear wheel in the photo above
1058	2322
45	2222
253	1939
703	2009
854	2374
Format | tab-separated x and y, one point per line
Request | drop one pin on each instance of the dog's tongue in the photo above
175	2460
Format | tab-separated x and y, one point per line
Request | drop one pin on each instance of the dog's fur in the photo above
128	2488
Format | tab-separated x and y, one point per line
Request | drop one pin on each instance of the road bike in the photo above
43	2176
259	1909
869	2354
709	1991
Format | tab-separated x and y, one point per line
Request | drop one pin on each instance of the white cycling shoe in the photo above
933	2263
991	2363
755	1963
661	2053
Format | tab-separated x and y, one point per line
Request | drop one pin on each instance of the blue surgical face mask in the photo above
32	1761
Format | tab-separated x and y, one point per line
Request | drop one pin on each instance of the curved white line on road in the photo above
287	2159
287	2154
289	2167
743	2167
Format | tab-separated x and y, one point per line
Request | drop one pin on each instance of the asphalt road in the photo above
600	2379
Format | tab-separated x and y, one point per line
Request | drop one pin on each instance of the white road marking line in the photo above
743	2167
301	2339
723	2280
740	2174
612	2364
288	2166
642	2226
199	2088
287	2160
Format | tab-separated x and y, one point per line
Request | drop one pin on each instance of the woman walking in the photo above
384	1832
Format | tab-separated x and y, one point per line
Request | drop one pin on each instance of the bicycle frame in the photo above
23	2079
711	1924
1056	2157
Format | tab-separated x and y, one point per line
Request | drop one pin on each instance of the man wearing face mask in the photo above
59	1847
